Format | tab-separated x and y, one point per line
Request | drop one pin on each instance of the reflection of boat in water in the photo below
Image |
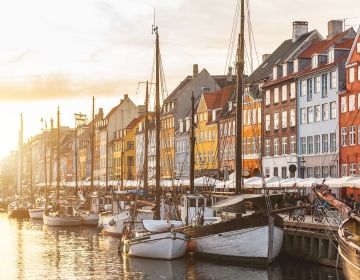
349	233
156	269
18	209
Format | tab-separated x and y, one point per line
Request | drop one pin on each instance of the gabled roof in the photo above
218	99
356	40
284	52
113	110
321	46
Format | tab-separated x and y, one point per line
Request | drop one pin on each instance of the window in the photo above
352	135
258	117
284	93
276	120
276	95
317	144
267	172
309	83
314	61
317	172
267	147
303	145
267	122
292	91
324	85
292	118
351	74
296	66
310	114
283	172
325	112
303	88
303	115
310	172
333	110
276	172
343	104
317	113
332	142
344	136
351	102
317	84
352	169
333	171
310	145
358	47
331	55
284	119
344	170
130	145
267	97
325	143
292	144
325	171
275	72
284	145
333	82
276	146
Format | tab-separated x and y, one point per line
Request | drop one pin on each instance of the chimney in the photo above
195	70
229	77
265	56
126	96
334	27
101	113
299	28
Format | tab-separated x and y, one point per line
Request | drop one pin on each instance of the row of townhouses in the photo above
300	119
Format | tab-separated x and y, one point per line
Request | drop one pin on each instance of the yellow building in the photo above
124	152
167	147
206	131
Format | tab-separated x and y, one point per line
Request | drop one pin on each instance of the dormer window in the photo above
213	117
331	55
181	126
296	65
315	61
275	73
285	69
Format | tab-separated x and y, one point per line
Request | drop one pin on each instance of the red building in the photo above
350	113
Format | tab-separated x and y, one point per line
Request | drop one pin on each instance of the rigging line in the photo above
251	31
232	35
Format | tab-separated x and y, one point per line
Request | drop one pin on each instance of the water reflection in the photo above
30	250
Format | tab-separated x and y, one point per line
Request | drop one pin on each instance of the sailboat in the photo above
349	233
233	239
159	239
18	208
61	214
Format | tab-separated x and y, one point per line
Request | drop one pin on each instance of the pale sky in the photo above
61	52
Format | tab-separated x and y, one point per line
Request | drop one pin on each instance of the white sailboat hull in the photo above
249	243
36	213
88	218
61	221
113	224
166	245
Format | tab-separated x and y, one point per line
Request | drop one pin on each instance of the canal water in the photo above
30	250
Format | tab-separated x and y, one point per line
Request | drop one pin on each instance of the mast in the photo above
58	157
146	138
157	121
106	158
122	163
19	169
239	103
51	154
92	141
75	154
192	145
45	164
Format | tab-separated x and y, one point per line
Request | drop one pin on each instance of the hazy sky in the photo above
52	50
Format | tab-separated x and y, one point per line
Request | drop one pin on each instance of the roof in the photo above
218	99
321	46
283	52
356	40
134	122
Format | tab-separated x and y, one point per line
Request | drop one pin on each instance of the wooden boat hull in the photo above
255	239
349	249
166	246
61	221
20	213
36	213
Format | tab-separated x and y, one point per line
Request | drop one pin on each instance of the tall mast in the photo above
239	103
107	158
157	121
192	145
146	138
58	157
19	169
45	163
51	153
75	154
92	141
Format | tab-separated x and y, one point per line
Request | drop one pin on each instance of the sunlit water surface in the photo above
30	250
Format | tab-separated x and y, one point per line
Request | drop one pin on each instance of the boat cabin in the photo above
195	206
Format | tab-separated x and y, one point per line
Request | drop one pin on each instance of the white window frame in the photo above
267	122
344	135
292	117
267	147
325	111
344	171
276	95
344	104
292	144
333	146
267	97
284	141
333	110
317	144
292	90
352	137
351	74
276	121
303	88
333	79
303	116
276	146
317	84
351	102
317	113
310	114
284	93
284	119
